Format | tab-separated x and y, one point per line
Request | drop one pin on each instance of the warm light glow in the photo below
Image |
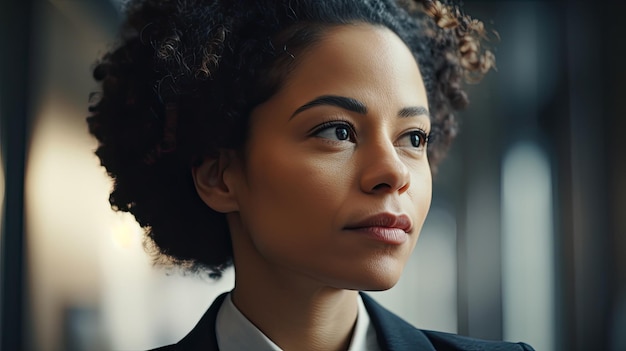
125	231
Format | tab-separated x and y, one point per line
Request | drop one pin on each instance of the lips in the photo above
384	220
385	227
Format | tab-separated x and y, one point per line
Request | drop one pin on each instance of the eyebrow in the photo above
413	111
355	105
343	102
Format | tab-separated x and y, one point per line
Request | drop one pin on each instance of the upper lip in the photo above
385	220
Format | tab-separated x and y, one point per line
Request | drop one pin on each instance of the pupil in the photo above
415	140
342	133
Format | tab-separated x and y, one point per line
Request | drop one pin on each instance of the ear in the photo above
214	183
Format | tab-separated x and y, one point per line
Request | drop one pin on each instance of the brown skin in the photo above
295	191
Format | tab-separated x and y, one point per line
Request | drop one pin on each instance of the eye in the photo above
414	139
337	131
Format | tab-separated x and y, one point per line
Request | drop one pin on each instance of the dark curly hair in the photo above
185	75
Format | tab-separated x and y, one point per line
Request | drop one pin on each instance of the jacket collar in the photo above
392	332
202	337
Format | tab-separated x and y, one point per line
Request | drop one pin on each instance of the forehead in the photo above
362	61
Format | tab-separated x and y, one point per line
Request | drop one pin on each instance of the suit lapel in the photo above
393	333
202	337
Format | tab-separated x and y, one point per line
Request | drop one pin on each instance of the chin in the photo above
372	279
380	284
378	288
371	285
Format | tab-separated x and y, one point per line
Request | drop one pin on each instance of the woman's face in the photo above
335	183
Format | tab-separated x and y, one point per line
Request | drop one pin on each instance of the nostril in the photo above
381	186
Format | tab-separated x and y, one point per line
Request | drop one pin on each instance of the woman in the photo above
295	140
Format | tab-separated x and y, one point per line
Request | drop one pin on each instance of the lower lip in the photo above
386	235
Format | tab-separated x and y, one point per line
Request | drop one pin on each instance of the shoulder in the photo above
447	341
202	337
393	333
166	348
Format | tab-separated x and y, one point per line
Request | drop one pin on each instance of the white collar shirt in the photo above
236	333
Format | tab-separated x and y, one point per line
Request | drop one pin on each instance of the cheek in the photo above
288	178
291	172
286	194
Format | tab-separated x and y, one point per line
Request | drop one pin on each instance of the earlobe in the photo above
212	187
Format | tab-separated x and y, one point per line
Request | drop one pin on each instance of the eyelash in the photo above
335	123
424	137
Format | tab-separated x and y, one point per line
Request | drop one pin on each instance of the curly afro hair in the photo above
185	75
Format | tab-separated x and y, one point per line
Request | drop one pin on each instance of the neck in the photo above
299	319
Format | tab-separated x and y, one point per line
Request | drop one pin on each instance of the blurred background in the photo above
526	238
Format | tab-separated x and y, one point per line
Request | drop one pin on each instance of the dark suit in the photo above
393	334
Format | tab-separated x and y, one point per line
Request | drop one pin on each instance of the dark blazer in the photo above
393	334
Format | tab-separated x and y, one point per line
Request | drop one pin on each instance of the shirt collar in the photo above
235	332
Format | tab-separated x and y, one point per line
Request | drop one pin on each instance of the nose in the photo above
383	170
